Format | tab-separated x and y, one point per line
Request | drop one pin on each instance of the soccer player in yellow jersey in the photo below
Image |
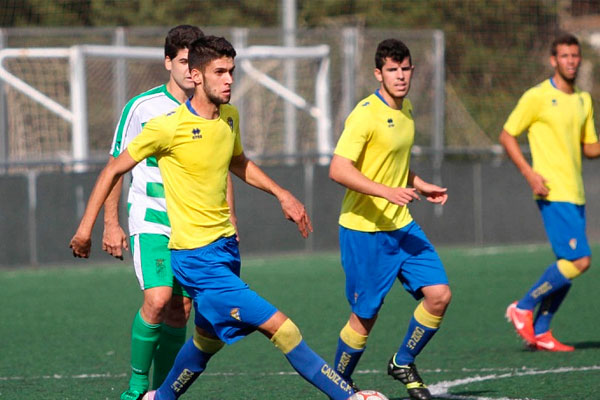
195	146
379	241
159	327
559	120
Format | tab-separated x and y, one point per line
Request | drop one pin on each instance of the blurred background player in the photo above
560	122
196	145
379	241
159	327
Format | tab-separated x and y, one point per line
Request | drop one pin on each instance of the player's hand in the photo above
538	184
433	193
295	211
81	245
402	196
114	240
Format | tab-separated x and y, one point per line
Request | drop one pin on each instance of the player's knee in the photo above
583	263
287	337
155	306
445	296
572	269
437	298
178	311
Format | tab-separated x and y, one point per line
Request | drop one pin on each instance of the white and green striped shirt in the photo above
146	201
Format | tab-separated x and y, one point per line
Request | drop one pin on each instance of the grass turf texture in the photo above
65	332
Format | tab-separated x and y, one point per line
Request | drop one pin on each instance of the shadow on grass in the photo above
452	396
586	345
470	393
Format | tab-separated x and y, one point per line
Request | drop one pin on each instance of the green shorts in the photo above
152	262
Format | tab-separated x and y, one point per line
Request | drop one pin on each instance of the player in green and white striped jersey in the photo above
158	329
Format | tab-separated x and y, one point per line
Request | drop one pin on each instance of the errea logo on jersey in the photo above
230	123
196	133
554	102
390	123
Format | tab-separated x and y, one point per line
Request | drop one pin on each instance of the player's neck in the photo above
392	102
562	84
204	107
177	92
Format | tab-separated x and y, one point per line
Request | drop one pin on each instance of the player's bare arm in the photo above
343	171
591	150
433	193
114	239
536	181
81	242
292	208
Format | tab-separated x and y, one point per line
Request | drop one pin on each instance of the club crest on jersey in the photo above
390	123
230	123
196	133
573	243
235	313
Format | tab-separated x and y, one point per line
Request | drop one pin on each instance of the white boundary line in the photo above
439	389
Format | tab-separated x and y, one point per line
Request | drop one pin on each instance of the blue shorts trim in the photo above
565	227
372	261
224	305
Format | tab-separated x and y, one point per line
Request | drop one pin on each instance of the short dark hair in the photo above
564	38
391	48
208	48
181	37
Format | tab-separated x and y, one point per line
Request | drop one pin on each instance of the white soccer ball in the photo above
368	395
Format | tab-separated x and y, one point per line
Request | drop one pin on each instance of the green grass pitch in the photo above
64	332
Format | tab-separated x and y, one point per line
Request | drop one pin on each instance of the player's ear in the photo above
377	73
196	76
168	63
553	61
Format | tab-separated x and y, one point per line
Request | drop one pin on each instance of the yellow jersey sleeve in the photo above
237	145
354	137
589	134
523	115
154	139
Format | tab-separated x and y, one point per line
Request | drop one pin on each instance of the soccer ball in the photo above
368	395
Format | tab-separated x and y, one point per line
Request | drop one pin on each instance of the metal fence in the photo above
42	198
270	132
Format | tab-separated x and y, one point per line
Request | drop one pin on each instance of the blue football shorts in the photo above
224	305
373	260
565	228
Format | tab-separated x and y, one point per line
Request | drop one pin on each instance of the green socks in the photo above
144	339
170	341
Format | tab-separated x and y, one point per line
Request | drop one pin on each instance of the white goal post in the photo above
76	114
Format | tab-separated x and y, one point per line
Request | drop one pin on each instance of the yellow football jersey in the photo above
378	139
557	124
193	155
